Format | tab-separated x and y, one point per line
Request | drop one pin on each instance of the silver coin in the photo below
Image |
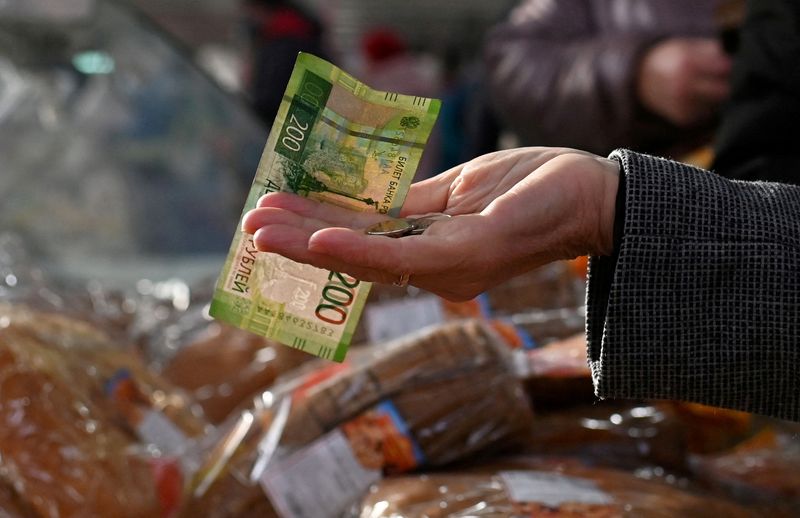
422	223
391	228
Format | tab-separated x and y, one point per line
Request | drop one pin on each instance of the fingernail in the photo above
263	199
325	240
317	245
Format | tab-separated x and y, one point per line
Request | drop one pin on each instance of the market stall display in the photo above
631	434
428	399
223	366
72	446
537	487
764	470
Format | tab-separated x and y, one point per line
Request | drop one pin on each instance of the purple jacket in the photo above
563	72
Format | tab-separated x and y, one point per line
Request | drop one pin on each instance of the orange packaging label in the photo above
380	439
317	377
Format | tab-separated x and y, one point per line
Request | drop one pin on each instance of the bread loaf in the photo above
558	374
550	287
764	470
223	366
67	446
58	449
449	385
537	487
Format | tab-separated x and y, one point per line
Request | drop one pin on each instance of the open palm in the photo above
513	211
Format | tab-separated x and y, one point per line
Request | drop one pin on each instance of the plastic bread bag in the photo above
221	366
764	469
11	505
166	323
553	286
543	305
556	375
112	375
66	449
317	441
22	281
526	487
391	312
654	436
218	365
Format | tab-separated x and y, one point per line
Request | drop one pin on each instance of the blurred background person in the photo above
277	30
387	63
390	65
757	139
652	74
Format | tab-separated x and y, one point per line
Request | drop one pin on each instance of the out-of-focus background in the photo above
130	131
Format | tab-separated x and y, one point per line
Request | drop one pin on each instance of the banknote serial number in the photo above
296	321
337	296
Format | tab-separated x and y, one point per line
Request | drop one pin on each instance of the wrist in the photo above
607	206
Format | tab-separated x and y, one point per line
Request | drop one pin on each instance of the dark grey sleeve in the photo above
702	300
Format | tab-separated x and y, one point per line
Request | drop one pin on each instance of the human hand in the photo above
513	211
684	80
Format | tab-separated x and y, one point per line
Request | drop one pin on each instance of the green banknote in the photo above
337	141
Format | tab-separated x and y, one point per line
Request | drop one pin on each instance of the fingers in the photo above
712	89
371	252
444	245
257	218
331	214
292	242
711	58
430	195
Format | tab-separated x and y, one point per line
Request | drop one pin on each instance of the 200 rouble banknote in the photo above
337	141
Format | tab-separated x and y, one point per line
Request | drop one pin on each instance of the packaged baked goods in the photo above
537	487
553	286
391	312
556	375
62	455
86	356
316	441
543	305
765	469
87	429
221	366
11	506
630	435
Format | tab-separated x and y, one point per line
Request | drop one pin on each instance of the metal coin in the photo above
421	224
391	228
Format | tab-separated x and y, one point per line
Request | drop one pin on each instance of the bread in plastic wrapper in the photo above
110	374
11	505
764	470
552	286
222	366
529	487
61	454
630	435
449	389
556	375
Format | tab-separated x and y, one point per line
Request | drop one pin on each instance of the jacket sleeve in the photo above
702	301
555	78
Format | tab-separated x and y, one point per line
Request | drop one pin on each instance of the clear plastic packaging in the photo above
527	487
553	286
542	305
632	435
425	400
556	375
221	366
764	470
86	429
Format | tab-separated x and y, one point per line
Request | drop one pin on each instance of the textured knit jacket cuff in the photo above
700	301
